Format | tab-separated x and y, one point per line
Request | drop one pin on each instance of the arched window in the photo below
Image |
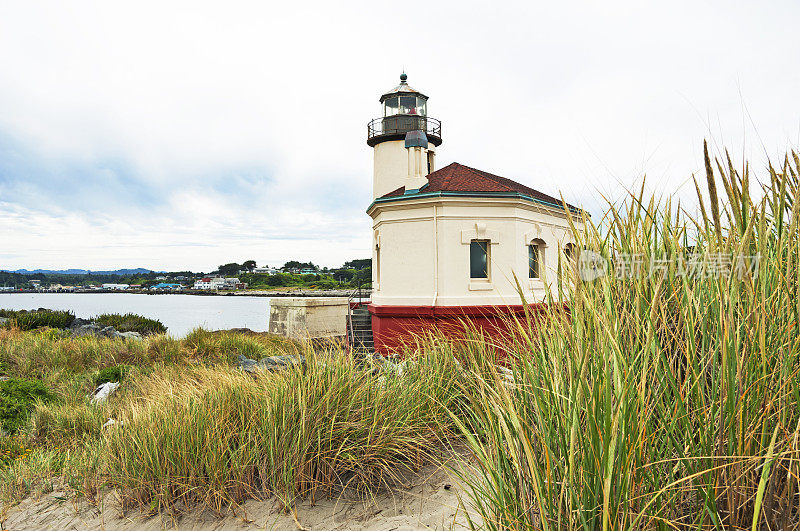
569	251
535	258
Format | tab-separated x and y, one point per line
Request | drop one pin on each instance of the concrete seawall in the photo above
304	318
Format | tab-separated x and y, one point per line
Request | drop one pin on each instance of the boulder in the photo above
110	331
246	364
131	335
90	329
78	322
274	363
271	363
102	393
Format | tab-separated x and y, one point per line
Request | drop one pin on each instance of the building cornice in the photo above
424	197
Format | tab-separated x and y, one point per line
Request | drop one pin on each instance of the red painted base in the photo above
396	326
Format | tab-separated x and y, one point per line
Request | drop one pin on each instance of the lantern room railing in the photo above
396	126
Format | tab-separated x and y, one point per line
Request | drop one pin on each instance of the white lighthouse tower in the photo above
404	140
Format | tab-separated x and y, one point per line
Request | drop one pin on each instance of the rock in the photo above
78	322
102	393
131	335
274	363
271	363
109	331
398	368
86	330
246	364
110	422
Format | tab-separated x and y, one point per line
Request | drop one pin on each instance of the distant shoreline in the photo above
204	293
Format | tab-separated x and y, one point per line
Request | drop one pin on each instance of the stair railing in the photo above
363	286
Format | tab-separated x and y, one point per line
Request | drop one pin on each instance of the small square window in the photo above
479	259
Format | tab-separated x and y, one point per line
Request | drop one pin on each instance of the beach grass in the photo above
665	396
192	430
666	399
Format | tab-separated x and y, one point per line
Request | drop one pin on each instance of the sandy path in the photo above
429	500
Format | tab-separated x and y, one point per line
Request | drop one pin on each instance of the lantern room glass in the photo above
404	105
390	107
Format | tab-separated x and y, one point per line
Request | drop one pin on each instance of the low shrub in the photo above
18	397
131	322
325	283
30	320
111	374
13	414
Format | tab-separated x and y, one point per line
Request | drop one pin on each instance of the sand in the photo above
431	499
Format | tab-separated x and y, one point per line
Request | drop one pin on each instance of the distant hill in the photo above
120	272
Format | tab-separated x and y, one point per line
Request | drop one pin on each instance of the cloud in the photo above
187	134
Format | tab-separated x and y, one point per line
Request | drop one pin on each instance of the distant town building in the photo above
266	270
115	286
219	283
203	283
301	271
167	286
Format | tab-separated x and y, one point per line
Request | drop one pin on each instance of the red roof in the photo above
456	177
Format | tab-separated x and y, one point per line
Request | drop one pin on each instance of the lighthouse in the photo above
452	243
404	140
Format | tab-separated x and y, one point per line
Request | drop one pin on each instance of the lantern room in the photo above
404	110
404	100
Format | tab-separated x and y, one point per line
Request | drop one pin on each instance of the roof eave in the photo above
507	195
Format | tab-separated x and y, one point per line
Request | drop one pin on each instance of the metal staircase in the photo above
361	331
359	323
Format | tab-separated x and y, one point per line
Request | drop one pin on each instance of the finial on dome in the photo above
403	77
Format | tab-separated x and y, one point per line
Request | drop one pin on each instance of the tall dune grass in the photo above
664	401
213	437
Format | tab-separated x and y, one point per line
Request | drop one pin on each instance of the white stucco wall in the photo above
424	250
391	166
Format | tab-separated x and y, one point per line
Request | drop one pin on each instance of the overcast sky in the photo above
175	135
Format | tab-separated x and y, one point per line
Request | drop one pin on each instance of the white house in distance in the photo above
449	242
117	287
266	270
219	283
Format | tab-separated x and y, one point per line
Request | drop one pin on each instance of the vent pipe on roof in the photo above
417	147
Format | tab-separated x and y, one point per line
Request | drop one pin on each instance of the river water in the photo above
179	313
